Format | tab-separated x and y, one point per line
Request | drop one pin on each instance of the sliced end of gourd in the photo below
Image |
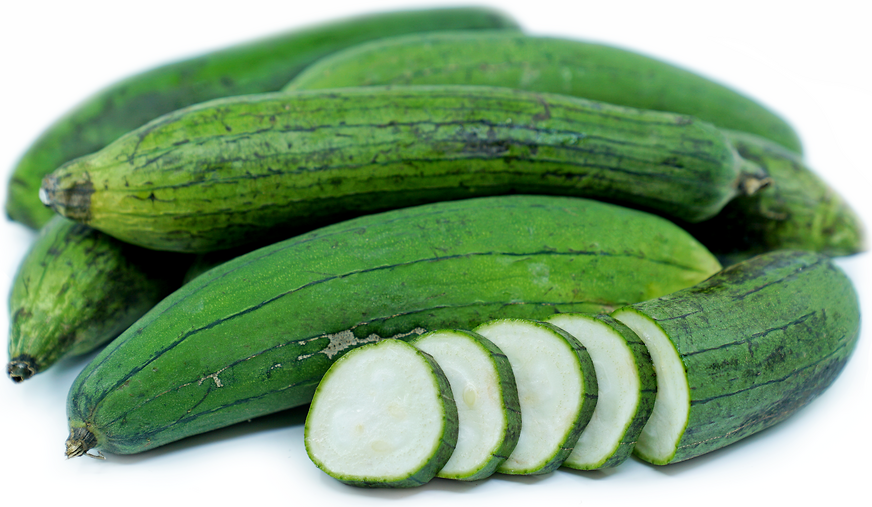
618	391
659	439
556	389
382	416
486	395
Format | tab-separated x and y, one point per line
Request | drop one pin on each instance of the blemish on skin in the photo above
346	339
214	377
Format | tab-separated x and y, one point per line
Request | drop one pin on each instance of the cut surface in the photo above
378	415
486	396
618	389
659	439
550	381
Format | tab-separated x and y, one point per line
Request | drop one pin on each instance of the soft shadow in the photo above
436	484
355	492
594	475
676	469
521	479
271	422
453	486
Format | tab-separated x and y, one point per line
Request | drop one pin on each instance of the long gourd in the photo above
545	64
255	67
799	210
236	170
78	288
255	335
742	350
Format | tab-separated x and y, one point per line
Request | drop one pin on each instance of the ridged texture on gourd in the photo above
757	342
235	170
76	289
255	335
255	67
545	64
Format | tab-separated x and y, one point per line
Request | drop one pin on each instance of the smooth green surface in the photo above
758	341
255	335
255	67
545	64
76	289
237	170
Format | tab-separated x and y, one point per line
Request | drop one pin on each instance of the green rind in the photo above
758	341
588	393
591	392
236	170
255	335
508	393
259	66
76	289
799	211
545	64
445	447
647	391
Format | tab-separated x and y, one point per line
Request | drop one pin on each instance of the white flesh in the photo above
475	383
549	378
377	414
618	389
659	439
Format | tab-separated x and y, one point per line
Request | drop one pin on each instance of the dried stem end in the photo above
80	442
752	178
21	368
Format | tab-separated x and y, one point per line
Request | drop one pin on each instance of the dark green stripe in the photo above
795	372
748	340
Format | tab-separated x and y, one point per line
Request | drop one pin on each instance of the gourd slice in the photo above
486	395
742	350
626	388
382	416
557	390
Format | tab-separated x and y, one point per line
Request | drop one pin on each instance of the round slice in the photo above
382	416
484	389
557	390
626	389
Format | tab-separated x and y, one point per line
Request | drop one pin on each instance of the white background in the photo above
807	60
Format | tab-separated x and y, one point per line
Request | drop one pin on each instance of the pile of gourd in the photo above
235	223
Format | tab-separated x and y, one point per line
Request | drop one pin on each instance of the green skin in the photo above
786	324
241	169
443	452
508	394
589	392
76	289
259	66
545	64
647	392
798	211
255	335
